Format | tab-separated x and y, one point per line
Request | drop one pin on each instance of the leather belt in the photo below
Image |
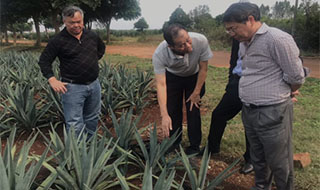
253	106
75	81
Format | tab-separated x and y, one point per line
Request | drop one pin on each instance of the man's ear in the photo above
251	19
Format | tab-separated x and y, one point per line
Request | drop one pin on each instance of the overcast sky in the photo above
156	12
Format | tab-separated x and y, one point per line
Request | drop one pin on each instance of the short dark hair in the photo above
70	10
171	32
239	12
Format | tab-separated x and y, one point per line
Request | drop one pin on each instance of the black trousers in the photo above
177	87
229	106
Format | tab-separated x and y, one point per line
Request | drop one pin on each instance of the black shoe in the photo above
192	150
246	168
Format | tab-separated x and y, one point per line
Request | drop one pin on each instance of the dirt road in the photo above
220	58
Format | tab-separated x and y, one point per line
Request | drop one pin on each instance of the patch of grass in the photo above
142	40
129	61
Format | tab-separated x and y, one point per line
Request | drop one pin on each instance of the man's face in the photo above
239	31
74	24
182	43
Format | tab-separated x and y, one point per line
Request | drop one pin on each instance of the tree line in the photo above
301	20
48	13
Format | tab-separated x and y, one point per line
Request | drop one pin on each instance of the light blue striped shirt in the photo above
270	64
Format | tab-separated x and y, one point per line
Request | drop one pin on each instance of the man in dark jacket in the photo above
78	51
229	106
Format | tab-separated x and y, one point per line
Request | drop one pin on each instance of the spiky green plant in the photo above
143	89
199	182
17	169
154	152
4	127
122	88
132	87
49	95
82	163
22	68
125	127
3	76
23	108
163	182
110	99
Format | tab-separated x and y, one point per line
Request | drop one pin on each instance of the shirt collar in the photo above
66	33
263	29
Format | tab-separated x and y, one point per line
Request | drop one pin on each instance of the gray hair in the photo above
70	10
240	12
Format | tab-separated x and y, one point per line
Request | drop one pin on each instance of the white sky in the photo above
156	12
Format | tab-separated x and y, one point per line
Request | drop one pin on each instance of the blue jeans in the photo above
81	105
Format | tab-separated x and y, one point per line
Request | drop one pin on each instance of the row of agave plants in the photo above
118	160
27	101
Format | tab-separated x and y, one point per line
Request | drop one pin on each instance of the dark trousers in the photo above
229	106
177	87
269	130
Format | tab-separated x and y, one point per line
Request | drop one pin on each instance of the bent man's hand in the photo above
57	86
195	100
166	125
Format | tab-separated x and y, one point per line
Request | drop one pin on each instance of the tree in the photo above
199	11
307	33
202	20
22	27
294	18
11	15
34	9
55	7
282	10
117	9
265	11
141	24
219	19
180	17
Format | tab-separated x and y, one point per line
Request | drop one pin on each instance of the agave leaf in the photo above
4	185
191	173
203	168
147	177
67	178
122	180
33	172
223	175
162	183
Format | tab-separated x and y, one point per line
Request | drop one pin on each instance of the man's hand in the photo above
166	125
293	96
195	100
57	86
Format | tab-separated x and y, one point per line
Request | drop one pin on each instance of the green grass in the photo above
306	120
129	61
144	40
